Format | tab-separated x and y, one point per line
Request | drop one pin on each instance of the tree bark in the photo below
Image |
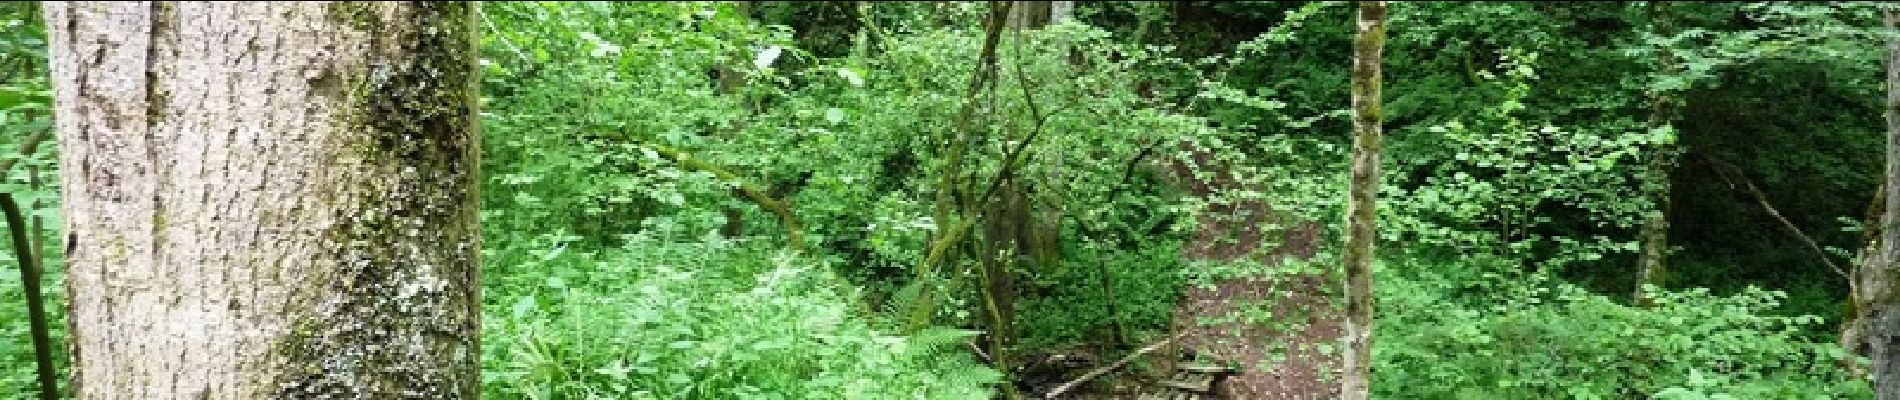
270	199
1361	207
1652	262
951	232
1854	328
1060	11
1878	284
1030	14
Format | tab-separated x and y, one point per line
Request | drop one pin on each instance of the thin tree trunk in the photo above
1884	319
1361	207
30	276
1651	263
269	199
951	232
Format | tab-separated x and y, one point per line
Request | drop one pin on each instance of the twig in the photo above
979	352
1725	171
870	24
504	39
1059	390
27	147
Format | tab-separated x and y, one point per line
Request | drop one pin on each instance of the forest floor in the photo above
1290	352
1287	354
1281	332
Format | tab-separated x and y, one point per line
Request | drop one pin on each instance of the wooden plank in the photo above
1207	369
1196	383
1156	396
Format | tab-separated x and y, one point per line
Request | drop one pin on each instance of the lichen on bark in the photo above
408	262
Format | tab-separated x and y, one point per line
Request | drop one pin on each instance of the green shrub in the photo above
1542	339
1069	306
708	320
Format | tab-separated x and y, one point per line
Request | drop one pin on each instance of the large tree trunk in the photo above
1060	11
1361	207
1877	278
269	199
1030	14
1854	328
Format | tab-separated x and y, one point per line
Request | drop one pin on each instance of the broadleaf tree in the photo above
1362	203
269	200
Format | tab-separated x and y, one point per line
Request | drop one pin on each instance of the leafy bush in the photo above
1529	337
1069	305
709	320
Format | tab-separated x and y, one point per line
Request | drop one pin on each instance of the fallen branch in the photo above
786	218
1725	171
1066	387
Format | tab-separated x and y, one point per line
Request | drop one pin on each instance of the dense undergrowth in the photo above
1444	335
613	270
706	320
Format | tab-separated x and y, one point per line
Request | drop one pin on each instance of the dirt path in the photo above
1290	355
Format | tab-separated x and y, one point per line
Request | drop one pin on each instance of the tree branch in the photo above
1091	375
1730	174
35	301
986	68
794	236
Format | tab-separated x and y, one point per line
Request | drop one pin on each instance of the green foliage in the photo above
607	257
1491	182
1517	139
707	320
26	108
1525	336
561	151
1069	307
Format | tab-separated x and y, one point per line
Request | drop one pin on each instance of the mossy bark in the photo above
1361	206
1880	286
270	200
1652	263
953	223
794	233
1855	317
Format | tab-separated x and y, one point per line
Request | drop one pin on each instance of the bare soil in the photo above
1292	354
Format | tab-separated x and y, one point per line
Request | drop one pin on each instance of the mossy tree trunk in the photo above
1861	285
1361	206
1878	278
1017	233
1652	263
269	199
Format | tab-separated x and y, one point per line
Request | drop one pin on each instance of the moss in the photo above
354	14
400	320
115	250
163	13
